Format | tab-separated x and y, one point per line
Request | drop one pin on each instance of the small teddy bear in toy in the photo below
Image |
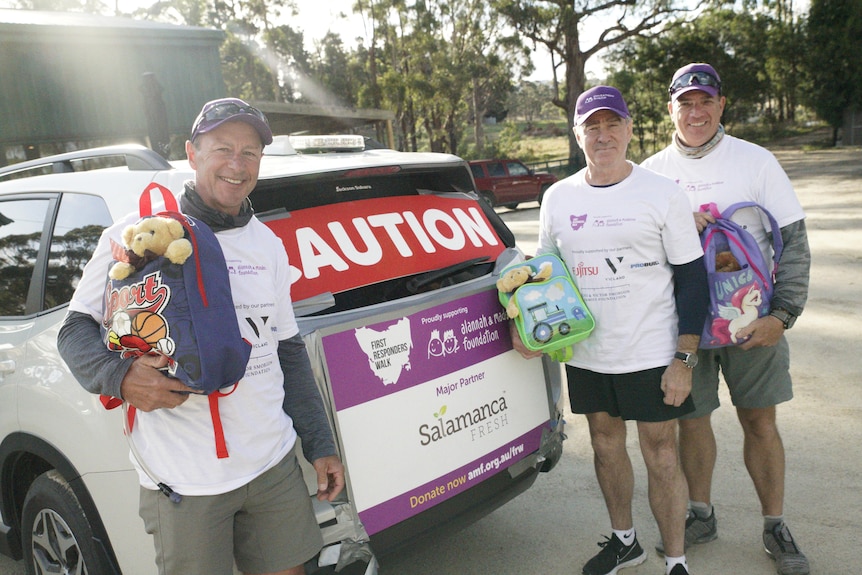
148	239
726	262
516	277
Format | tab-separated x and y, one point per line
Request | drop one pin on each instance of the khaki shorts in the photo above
757	378
265	526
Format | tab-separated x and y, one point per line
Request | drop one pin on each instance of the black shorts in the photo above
637	396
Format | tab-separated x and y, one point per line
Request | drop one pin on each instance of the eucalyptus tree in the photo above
560	26
440	65
735	43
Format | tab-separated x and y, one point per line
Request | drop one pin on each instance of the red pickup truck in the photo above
509	182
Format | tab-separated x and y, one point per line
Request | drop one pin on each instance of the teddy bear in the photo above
726	262
148	239
516	277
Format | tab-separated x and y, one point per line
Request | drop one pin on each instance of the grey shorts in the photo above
265	526
757	378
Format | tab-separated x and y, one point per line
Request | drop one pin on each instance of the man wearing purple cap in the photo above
714	167
249	506
628	238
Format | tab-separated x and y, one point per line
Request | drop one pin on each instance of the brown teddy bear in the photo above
148	239
726	262
516	277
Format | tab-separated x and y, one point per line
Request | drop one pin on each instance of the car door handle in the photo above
7	366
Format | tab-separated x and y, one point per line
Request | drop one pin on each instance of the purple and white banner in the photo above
430	404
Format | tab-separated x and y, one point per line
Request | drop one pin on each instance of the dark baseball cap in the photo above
696	76
217	112
600	98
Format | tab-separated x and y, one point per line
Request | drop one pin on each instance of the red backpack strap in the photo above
145	204
218	430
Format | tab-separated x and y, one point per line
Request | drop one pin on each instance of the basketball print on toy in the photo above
150	327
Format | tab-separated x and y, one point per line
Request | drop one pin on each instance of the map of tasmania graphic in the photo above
388	351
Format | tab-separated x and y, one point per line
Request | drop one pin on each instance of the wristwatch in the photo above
689	359
787	318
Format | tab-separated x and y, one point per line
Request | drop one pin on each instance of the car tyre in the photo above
56	535
488	198
542	193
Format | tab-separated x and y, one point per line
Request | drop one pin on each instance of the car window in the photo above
21	224
477	170
518	169
80	222
496	169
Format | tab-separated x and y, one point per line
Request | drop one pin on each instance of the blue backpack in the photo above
740	282
183	311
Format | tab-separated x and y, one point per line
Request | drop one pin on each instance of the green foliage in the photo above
833	79
442	66
245	75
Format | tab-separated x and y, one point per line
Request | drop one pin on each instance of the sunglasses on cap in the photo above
227	110
694	78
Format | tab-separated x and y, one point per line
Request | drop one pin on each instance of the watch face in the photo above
689	359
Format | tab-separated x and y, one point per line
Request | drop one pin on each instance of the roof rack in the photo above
137	157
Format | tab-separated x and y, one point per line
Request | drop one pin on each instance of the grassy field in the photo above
547	141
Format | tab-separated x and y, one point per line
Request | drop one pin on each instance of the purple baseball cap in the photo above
600	98
217	112
697	76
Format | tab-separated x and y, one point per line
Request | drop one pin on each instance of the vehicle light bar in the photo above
334	143
280	146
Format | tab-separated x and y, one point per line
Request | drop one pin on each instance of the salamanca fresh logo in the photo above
443	428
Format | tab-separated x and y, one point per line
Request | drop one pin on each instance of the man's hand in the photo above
330	477
147	388
519	345
676	383
702	219
762	332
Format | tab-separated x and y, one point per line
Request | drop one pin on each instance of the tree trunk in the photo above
478	126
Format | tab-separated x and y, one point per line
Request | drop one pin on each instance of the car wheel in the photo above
511	206
56	535
542	193
488	197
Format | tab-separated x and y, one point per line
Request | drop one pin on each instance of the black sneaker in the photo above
697	531
679	569
779	544
614	556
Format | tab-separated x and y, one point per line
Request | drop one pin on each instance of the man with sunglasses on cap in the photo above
628	238
251	508
715	167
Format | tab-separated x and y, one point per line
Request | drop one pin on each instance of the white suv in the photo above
437	419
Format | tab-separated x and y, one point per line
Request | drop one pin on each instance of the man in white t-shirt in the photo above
714	167
628	238
250	507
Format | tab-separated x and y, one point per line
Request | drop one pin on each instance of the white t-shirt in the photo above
619	242
734	171
178	444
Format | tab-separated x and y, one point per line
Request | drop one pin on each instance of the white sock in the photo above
627	536
670	562
701	509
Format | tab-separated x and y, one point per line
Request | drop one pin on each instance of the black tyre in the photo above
542	193
489	199
56	536
564	328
